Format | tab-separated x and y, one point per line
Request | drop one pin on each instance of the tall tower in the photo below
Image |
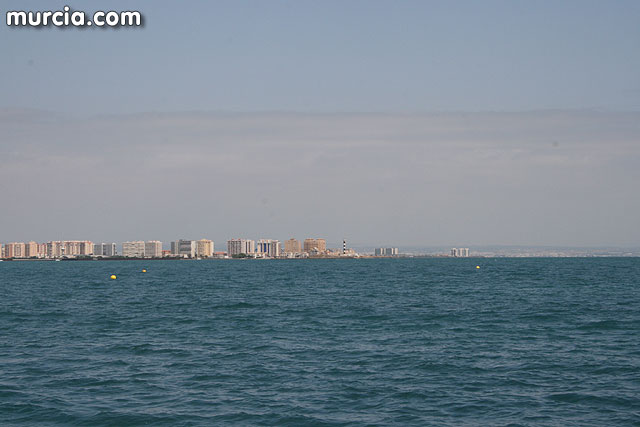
344	247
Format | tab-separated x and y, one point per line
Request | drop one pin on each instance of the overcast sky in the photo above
393	123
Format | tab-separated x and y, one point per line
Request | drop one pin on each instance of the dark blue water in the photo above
321	342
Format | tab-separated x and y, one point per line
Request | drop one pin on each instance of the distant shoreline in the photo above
314	258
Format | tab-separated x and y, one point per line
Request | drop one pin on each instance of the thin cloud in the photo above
430	179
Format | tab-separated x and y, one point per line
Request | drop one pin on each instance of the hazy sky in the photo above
384	122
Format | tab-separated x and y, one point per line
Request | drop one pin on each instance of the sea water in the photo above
321	342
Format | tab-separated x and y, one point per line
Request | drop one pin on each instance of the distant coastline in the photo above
364	257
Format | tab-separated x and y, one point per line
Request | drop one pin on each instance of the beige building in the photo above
292	246
74	247
54	249
69	248
15	250
317	246
32	249
133	249
86	248
204	248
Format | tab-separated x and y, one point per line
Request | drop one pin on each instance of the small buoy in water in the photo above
113	277
477	266
144	271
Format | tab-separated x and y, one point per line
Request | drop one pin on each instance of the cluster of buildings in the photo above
204	248
293	248
194	249
83	248
54	249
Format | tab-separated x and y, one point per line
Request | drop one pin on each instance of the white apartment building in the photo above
153	249
240	246
184	248
104	249
133	249
268	248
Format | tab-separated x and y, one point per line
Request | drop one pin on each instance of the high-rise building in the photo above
104	249
77	247
240	246
133	249
21	250
153	249
460	252
31	250
292	246
15	250
54	249
42	250
67	248
86	248
71	248
184	248
268	248
315	246
204	248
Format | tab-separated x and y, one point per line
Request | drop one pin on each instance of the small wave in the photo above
591	399
235	306
606	325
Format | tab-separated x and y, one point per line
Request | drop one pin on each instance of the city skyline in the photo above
412	123
289	248
181	248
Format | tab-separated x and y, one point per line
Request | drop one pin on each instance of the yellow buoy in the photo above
477	266
113	277
144	271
